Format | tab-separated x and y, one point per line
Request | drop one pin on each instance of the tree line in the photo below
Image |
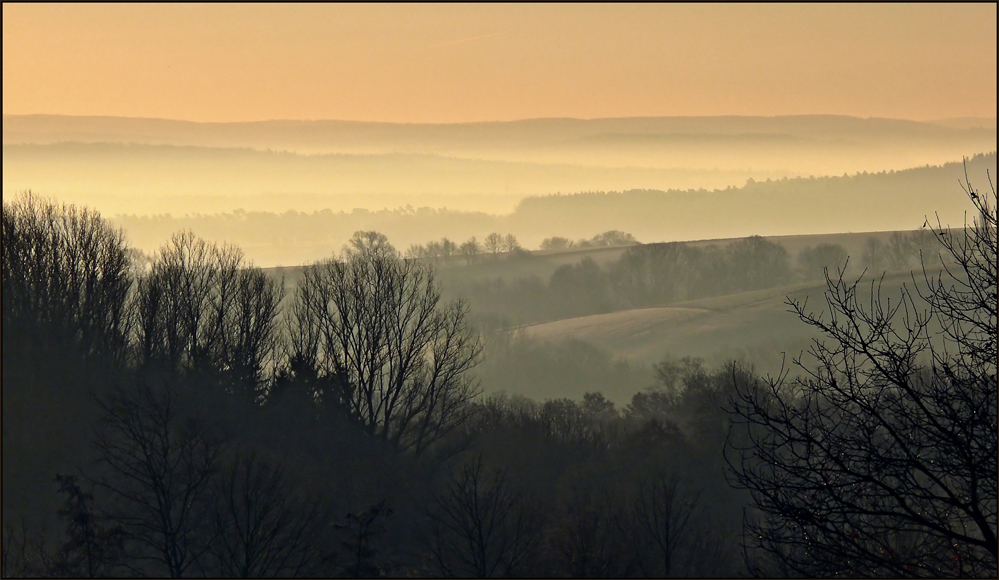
445	252
218	425
658	274
191	417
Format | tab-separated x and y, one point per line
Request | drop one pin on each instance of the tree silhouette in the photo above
263	527
480	529
158	465
613	238
875	255
470	249
383	348
65	283
882	460
362	529
665	516
589	541
493	243
201	309
94	547
814	259
66	335
370	242
756	263
556	243
510	243
898	250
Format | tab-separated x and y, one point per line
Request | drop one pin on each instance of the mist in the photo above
584	291
146	166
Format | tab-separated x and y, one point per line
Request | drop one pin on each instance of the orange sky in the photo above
454	63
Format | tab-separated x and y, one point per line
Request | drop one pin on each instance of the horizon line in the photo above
519	120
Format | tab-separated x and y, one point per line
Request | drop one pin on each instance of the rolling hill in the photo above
885	201
148	166
818	144
755	326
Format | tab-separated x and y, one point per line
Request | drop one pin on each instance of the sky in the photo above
467	63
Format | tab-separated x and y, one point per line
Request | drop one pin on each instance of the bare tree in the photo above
375	335
510	243
480	529
613	238
370	242
158	465
470	249
449	250
243	339
493	243
362	530
94	547
202	309
173	304
65	280
756	262
23	554
588	541
140	262
434	251
565	421
656	273
882	460
665	517
898	250
415	252
875	255
556	243
813	260
925	247
262	526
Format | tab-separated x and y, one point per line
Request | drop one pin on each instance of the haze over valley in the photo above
718	177
499	290
143	166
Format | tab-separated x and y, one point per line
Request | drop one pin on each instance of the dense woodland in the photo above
190	416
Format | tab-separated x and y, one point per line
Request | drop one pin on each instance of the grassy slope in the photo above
756	326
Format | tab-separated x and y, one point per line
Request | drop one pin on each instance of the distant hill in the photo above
529	139
145	178
886	201
893	200
128	165
967	122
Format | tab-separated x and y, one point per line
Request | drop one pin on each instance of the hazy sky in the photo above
454	63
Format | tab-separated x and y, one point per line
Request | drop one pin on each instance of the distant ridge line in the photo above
15	116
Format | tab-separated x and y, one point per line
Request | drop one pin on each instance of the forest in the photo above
186	413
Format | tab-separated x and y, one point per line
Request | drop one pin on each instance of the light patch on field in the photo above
615	325
757	327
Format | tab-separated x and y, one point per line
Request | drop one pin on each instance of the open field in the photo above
756	326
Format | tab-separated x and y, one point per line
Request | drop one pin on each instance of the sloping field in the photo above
755	326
